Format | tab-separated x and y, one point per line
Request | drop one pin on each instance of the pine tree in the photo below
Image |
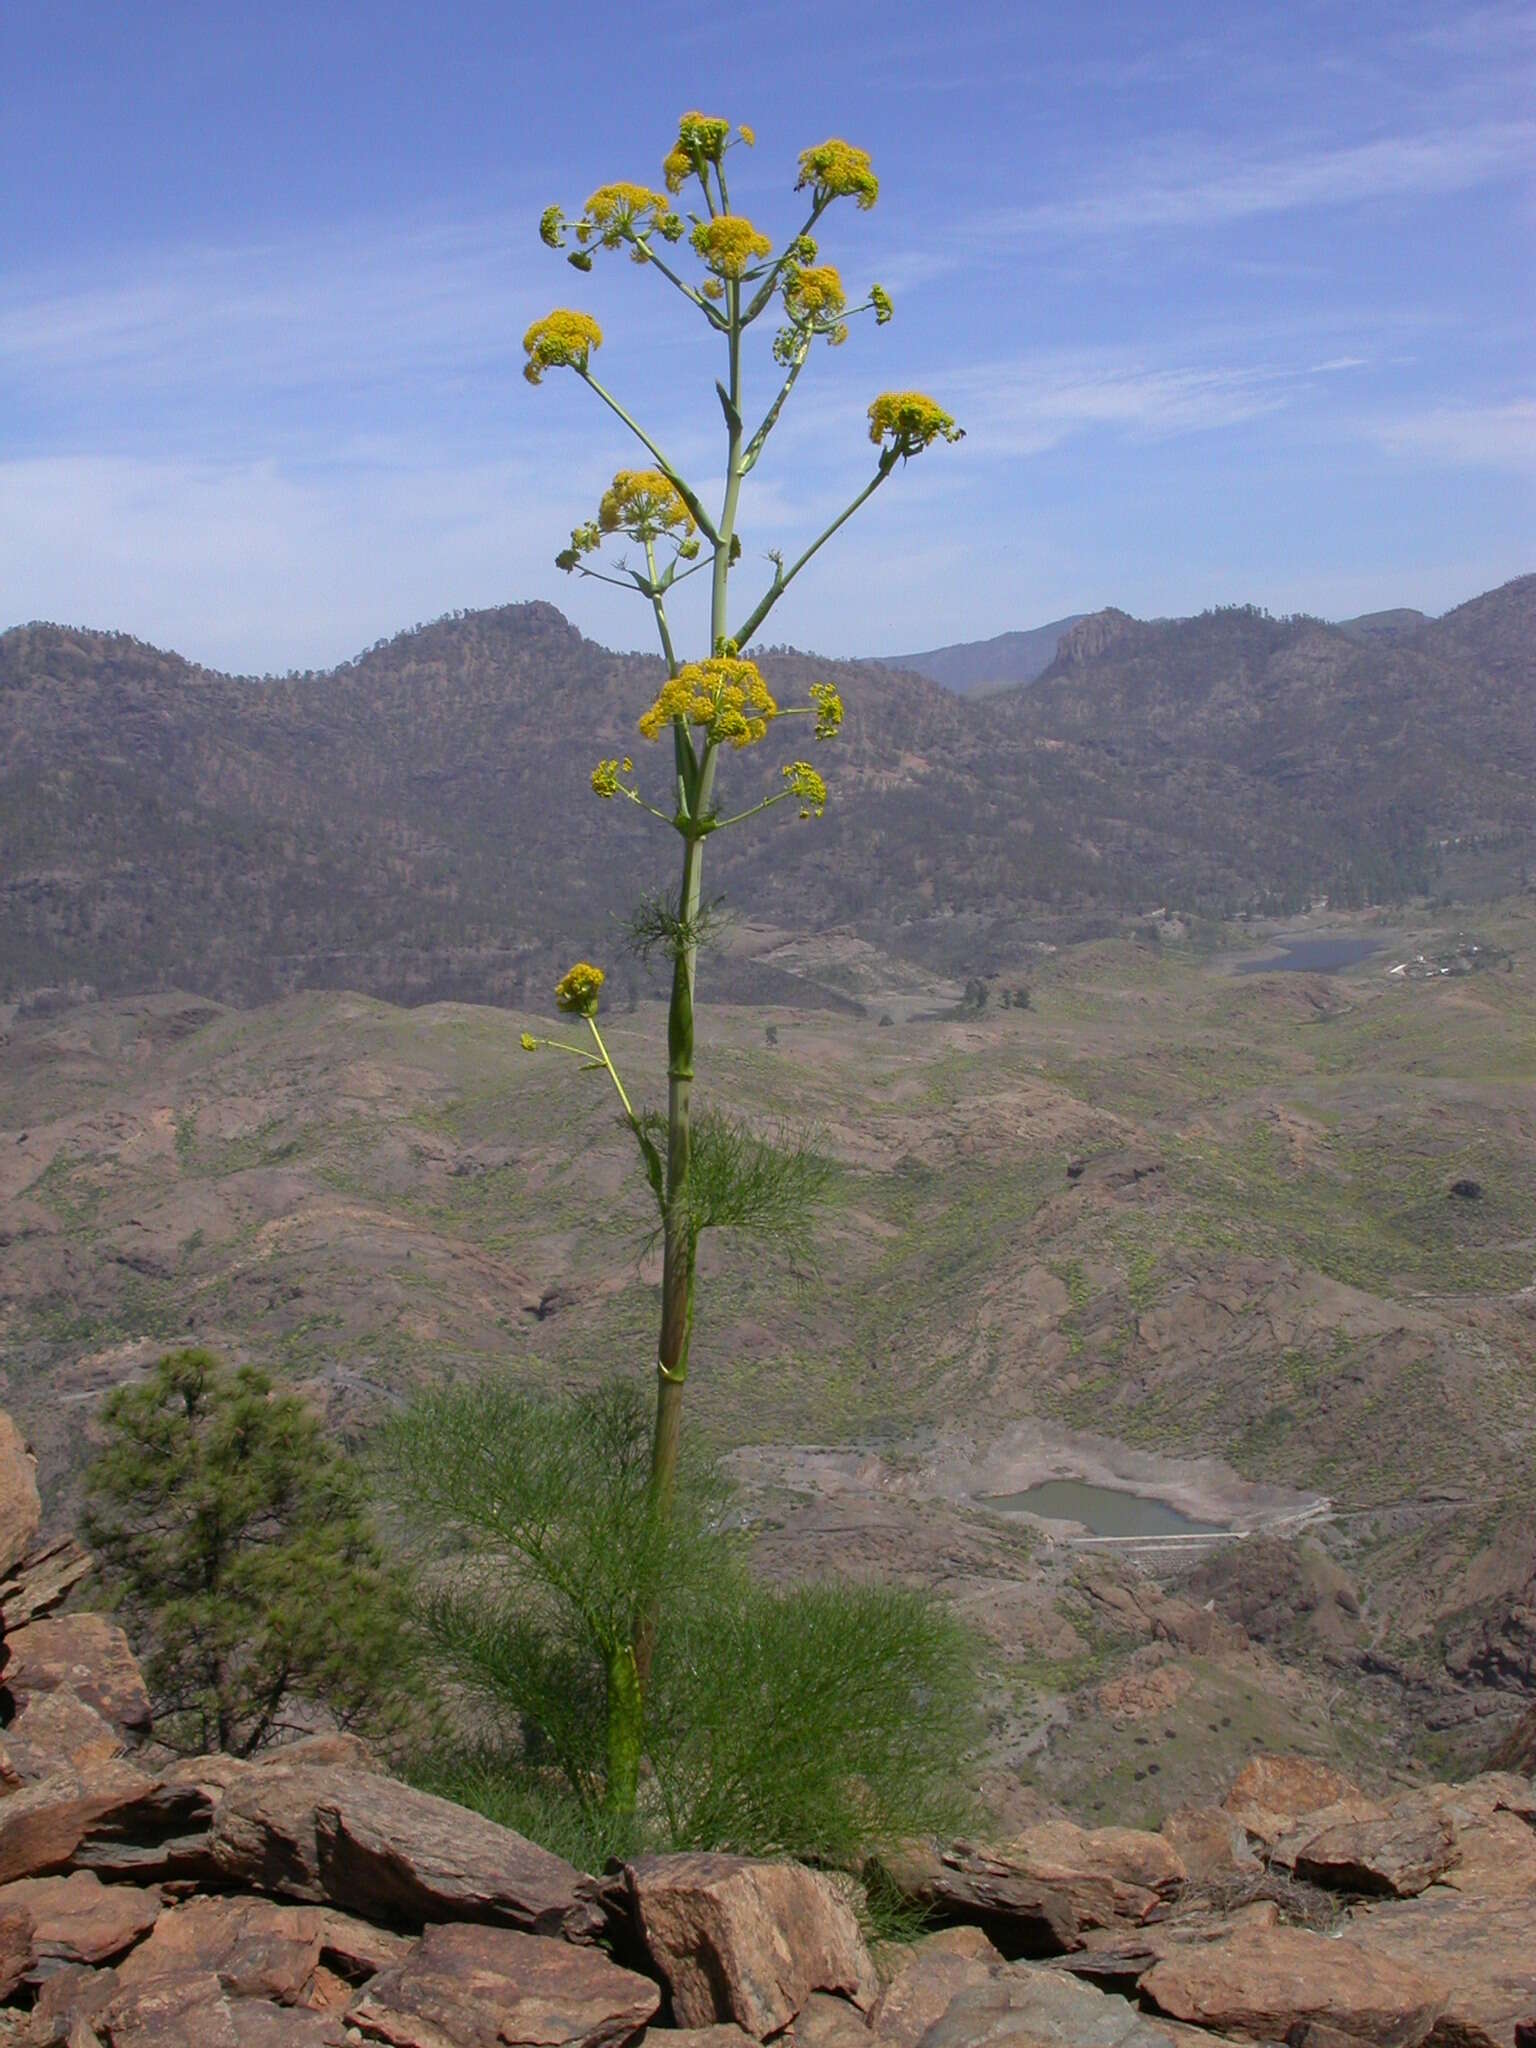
235	1543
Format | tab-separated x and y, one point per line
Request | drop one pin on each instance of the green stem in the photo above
626	1729
684	489
784	577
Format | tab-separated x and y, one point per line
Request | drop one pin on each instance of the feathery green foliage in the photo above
234	1541
818	1721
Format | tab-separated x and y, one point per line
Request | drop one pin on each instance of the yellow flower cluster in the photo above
814	294
562	340
643	503
808	786
605	776
836	170
910	421
727	697
829	710
730	244
615	207
577	990
528	1042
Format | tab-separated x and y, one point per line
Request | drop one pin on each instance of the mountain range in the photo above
418	822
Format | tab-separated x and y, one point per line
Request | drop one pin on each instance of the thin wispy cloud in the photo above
1482	436
1184	186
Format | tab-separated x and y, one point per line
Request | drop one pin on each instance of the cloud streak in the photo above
1192	187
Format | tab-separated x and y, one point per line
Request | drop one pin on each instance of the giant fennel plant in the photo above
733	276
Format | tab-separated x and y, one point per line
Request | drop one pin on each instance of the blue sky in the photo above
1236	303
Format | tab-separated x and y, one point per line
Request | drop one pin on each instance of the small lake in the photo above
1313	956
1103	1510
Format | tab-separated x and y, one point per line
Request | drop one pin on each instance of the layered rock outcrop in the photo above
308	1900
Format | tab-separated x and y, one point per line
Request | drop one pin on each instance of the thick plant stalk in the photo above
626	1731
659	506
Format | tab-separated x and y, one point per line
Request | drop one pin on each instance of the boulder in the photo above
55	1728
744	1941
15	1943
380	1848
1022	1914
825	2022
21	1512
1271	1794
192	2010
70	2001
1399	1852
1474	1927
1211	1843
42	1825
927	1979
165	1832
86	1654
1266	1981
491	1987
1027	2006
78	1919
255	1948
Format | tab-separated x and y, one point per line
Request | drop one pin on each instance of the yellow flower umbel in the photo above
730	245
702	139
644	504
806	784
828	706
909	421
727	697
614	210
562	340
578	989
607	777
836	170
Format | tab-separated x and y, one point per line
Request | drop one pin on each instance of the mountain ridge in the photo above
417	821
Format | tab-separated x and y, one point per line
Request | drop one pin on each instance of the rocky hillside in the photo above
418	823
305	1899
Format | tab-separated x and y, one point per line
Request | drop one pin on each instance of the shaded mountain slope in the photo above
418	823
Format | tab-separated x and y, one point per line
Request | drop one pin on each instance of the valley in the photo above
1172	1229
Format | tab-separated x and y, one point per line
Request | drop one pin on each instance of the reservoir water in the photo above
1313	956
1103	1510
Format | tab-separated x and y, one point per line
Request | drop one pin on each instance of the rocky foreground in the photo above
308	1900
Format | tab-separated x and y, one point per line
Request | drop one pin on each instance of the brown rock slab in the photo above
78	1919
1211	1843
21	1512
192	2010
255	1948
70	2000
1271	1794
88	1655
1021	1913
42	1825
15	1944
1027	2006
376	1847
41	1581
1477	1929
744	1941
491	1987
826	2022
164	1833
54	1728
1263	1982
1398	1853
925	1983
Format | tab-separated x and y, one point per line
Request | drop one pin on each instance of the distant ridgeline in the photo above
418	822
